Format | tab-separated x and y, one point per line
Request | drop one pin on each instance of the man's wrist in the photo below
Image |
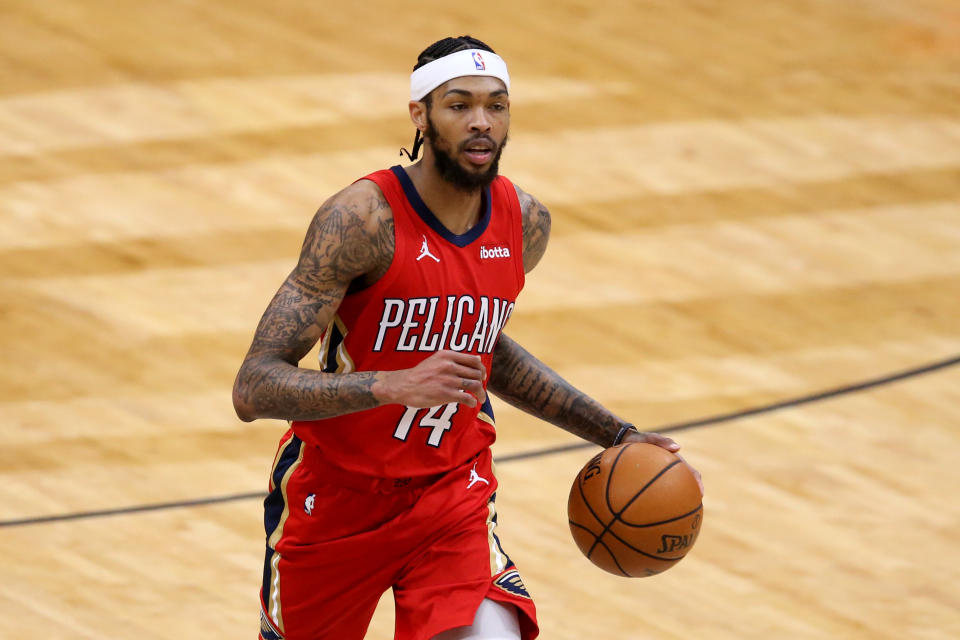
625	428
382	389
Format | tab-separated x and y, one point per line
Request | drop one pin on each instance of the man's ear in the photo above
418	114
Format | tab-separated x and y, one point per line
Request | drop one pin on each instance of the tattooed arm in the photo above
519	378
527	383
350	238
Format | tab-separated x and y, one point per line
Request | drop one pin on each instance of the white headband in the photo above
472	62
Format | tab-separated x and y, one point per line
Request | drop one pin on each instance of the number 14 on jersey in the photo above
438	419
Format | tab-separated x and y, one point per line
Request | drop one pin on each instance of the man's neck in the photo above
456	209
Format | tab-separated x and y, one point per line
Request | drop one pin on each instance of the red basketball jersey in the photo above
442	291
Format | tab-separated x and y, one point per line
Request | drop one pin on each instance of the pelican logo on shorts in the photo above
478	61
308	504
267	630
511	582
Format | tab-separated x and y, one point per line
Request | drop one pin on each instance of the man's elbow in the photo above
243	407
243	403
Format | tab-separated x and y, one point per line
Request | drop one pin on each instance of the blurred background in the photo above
753	203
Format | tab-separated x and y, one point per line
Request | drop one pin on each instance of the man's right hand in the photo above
444	377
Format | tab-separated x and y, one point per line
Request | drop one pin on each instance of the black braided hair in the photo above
445	47
437	50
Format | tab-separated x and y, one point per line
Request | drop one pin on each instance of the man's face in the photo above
467	126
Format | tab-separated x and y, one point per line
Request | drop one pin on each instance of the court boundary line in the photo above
538	453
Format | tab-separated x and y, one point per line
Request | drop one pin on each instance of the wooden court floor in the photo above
756	215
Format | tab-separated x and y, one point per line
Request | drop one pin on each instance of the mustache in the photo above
478	138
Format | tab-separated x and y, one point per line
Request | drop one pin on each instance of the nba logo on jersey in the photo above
477	60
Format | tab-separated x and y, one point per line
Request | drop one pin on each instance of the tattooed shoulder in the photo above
351	236
536	229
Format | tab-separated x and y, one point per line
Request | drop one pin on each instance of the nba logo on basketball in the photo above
477	60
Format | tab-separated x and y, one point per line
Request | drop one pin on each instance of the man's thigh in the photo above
328	558
319	600
443	586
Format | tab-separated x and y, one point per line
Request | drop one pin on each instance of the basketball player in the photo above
385	480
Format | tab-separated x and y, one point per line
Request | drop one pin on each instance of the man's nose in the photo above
479	120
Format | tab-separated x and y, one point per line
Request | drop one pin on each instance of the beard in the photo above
451	171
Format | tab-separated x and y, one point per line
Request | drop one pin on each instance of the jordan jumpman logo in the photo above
475	477
425	251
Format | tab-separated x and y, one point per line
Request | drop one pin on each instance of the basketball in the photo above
635	510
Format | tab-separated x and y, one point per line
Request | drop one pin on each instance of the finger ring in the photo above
463	384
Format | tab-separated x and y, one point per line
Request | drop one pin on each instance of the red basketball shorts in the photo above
337	541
